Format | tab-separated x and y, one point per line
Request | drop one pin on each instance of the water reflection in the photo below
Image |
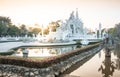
117	54
43	51
106	63
108	67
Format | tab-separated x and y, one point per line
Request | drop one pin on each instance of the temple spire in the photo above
77	13
72	15
100	30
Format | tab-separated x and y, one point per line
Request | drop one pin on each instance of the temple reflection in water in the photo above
105	63
111	63
108	66
44	51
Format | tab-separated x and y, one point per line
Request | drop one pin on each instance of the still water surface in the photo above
44	51
99	65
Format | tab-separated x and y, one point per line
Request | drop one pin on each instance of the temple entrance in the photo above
71	26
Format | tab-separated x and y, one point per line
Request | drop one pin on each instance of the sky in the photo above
91	12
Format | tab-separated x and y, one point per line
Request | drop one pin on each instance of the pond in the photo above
103	64
43	51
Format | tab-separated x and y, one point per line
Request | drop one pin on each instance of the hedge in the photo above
26	62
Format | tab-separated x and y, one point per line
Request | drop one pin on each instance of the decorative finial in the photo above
77	13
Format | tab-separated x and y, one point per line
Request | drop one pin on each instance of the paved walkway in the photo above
4	47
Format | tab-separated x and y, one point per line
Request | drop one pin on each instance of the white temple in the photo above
71	29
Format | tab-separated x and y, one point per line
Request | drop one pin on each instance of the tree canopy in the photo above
8	29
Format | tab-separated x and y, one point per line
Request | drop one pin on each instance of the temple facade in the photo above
72	28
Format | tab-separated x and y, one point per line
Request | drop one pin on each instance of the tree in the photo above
13	31
117	30
36	31
54	25
111	31
46	31
23	30
5	22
